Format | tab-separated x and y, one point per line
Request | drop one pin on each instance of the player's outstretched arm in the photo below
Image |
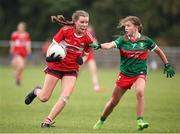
103	45
168	68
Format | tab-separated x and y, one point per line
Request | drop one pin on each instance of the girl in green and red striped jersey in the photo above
133	47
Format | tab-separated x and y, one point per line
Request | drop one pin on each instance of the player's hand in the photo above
95	46
51	58
168	70
79	61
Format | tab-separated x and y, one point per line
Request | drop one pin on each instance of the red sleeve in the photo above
28	37
59	35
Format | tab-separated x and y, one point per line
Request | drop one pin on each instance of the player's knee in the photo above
20	68
64	99
20	65
140	94
43	98
113	103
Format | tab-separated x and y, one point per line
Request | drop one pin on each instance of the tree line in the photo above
160	18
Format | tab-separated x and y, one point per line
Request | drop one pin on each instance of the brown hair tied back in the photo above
133	19
61	20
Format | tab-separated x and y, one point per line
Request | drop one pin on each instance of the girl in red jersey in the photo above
133	48
75	38
20	48
92	64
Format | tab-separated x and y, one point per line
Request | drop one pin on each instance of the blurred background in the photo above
160	19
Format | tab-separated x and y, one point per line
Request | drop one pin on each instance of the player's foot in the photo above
99	89
98	124
30	97
47	125
18	82
141	124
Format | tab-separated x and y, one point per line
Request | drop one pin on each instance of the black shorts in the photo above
60	74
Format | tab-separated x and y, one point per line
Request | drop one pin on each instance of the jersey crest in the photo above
141	44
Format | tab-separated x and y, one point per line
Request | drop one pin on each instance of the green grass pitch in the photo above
162	104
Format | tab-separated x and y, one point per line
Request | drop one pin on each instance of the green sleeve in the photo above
151	44
119	42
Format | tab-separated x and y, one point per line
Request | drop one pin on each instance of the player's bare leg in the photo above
18	64
110	105
67	86
93	71
49	84
42	94
139	86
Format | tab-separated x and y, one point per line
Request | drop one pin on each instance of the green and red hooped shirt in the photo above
134	54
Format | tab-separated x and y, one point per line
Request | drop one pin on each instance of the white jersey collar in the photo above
78	36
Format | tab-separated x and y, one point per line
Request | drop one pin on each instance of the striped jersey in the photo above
134	54
19	42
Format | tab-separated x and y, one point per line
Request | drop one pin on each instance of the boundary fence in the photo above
104	58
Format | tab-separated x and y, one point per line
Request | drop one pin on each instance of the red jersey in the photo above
19	42
75	47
